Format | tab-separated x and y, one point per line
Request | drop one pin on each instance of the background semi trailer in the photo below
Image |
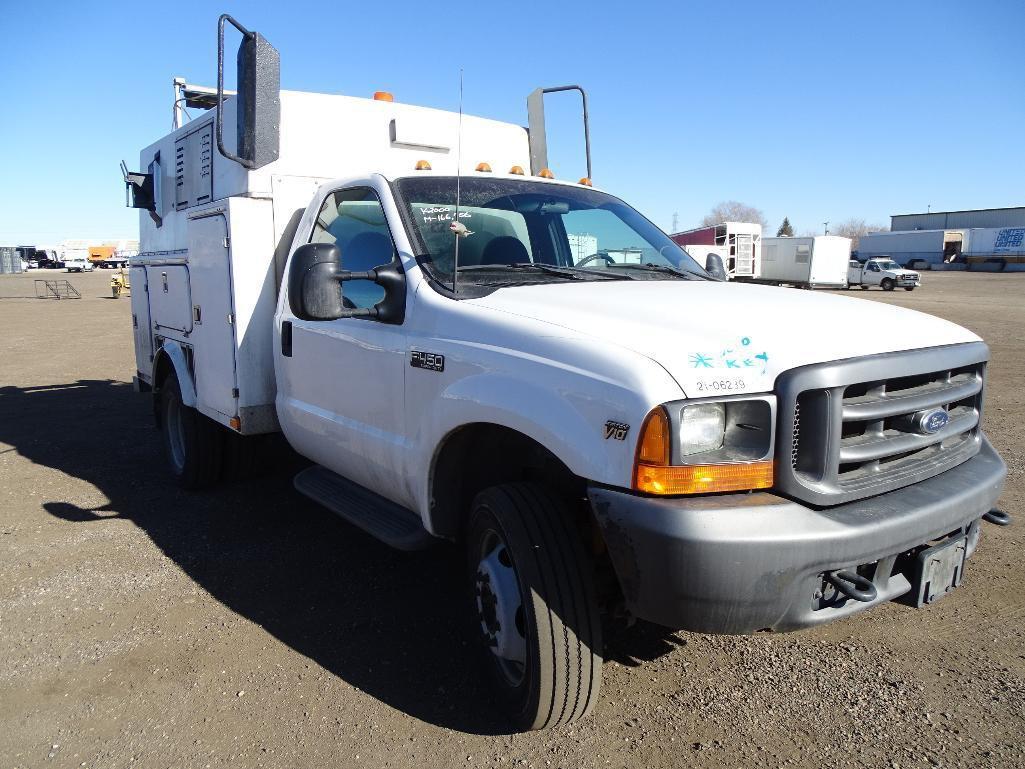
741	241
914	249
813	262
405	295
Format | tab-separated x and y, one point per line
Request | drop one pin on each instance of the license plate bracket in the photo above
938	570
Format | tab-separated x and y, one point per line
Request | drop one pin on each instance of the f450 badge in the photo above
431	361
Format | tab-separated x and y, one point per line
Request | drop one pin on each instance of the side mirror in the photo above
713	266
258	104
315	278
314	291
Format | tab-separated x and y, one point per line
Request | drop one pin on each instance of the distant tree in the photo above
785	230
733	211
854	228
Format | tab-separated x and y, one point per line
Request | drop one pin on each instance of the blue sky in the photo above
817	111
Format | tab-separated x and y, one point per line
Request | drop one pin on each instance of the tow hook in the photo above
997	517
852	585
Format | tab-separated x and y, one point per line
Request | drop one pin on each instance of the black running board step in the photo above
379	517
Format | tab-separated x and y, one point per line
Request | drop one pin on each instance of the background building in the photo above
960	220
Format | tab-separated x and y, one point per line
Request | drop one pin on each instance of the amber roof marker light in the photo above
422	165
383	96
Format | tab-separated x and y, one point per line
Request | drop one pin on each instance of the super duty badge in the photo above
428	360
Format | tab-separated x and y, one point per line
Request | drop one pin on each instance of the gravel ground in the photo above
144	626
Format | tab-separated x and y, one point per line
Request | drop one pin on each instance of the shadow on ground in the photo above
393	624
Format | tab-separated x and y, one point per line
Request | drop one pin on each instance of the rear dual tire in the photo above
193	444
535	605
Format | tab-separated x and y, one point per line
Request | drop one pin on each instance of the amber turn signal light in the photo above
653	444
702	479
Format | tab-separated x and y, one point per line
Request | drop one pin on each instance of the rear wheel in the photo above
534	599
886	284
192	442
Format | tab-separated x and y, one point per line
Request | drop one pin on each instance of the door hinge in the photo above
231	319
135	321
227	242
234	392
197	315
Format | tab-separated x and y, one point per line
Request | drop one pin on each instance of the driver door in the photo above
340	382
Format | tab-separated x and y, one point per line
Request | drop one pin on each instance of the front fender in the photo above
172	352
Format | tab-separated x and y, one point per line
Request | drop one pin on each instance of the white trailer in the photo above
813	262
741	243
917	249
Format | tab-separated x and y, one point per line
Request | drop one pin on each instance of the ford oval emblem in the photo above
933	421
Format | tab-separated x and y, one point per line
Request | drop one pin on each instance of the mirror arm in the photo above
346	275
220	89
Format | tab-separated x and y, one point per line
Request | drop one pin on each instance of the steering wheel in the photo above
608	259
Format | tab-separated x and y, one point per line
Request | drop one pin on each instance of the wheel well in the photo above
477	456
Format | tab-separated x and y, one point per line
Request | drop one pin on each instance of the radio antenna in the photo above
457	227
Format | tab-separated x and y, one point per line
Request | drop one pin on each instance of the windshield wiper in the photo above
573	273
665	268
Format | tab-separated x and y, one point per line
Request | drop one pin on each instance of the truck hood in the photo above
726	337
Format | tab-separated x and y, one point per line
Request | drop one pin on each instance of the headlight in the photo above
706	446
702	427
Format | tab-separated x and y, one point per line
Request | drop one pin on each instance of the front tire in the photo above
192	442
534	598
886	284
909	288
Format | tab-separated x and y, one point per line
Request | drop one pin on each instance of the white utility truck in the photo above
813	262
602	435
883	272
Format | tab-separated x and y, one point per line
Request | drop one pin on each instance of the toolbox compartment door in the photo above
142	329
213	336
170	297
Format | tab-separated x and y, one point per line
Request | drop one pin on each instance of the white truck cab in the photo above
403	294
883	272
78	264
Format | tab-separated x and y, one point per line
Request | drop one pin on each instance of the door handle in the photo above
286	338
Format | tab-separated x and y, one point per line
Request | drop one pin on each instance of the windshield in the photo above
887	264
522	231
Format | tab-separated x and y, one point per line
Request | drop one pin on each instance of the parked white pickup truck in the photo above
882	272
602	433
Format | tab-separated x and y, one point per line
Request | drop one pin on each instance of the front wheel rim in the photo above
500	608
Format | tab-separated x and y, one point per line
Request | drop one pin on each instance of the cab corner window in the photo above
354	220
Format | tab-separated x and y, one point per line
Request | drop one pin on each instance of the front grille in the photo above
854	428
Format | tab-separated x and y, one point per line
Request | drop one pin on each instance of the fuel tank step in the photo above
381	518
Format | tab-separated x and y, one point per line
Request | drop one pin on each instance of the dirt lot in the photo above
141	625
